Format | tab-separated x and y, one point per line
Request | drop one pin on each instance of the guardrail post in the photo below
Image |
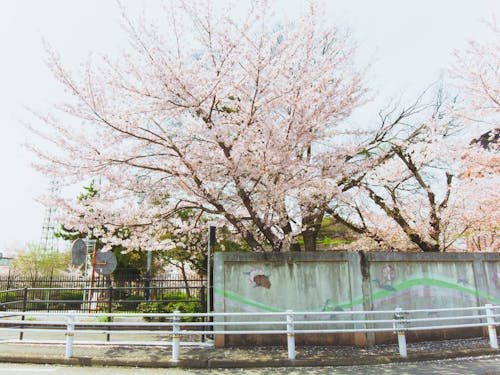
399	327
290	334
492	332
176	335
70	335
25	308
204	306
110	310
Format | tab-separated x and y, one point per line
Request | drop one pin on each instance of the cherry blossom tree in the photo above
431	173
235	117
476	74
409	194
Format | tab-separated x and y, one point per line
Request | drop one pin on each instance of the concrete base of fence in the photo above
432	335
215	358
328	339
347	339
220	341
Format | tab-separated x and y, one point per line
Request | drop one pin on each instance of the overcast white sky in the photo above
408	43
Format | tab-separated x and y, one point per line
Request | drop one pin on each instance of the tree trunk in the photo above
184	278
310	237
312	225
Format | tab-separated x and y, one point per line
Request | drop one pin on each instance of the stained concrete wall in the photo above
351	281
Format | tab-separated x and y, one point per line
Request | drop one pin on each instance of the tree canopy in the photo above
240	121
222	115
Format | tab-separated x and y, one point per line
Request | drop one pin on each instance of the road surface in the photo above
479	366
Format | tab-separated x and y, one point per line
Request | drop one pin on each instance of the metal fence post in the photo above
492	332
204	309
175	335
25	307
399	327
110	310
70	335
290	334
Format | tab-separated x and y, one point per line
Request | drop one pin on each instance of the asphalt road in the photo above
477	365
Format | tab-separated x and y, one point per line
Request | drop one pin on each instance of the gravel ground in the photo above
427	346
318	352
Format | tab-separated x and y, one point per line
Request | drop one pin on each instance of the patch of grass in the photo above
327	241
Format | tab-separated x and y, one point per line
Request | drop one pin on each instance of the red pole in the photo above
94	260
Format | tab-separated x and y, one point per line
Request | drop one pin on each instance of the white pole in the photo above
492	332
70	335
176	336
400	331
290	333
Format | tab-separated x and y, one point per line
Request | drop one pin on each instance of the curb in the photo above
198	363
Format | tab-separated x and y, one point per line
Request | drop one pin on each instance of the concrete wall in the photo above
351	281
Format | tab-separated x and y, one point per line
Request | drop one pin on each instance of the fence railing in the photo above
289	323
14	281
100	299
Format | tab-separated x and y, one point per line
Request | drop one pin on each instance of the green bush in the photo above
174	296
130	303
185	307
35	305
168	304
6	297
152	308
65	296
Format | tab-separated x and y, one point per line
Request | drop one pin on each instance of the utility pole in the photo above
210	246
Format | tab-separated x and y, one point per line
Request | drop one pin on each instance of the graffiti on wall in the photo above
258	278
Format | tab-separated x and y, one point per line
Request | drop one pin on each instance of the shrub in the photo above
35	305
104	319
151	308
6	297
65	296
185	307
170	303
174	296
130	303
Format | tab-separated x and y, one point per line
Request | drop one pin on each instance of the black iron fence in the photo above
153	299
154	295
13	281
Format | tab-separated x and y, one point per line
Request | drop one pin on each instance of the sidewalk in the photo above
193	357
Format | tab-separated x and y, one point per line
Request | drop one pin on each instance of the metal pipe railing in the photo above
288	324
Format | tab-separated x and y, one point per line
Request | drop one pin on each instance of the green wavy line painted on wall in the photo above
375	296
434	282
245	301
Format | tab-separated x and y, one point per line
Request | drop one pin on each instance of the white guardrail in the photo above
288	323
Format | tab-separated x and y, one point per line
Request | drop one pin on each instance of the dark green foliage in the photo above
65	297
170	303
36	305
129	303
332	233
151	308
227	241
186	307
5	298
